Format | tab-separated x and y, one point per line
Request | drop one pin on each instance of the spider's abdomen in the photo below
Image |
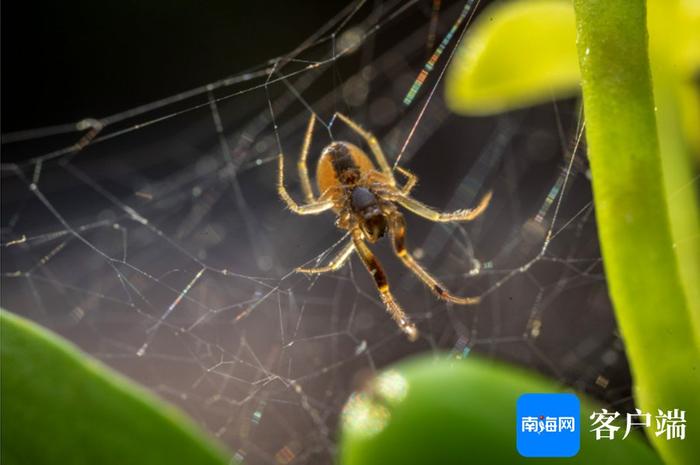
341	166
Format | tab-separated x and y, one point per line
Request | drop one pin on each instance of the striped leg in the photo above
375	269
398	232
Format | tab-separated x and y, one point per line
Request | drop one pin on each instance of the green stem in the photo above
633	217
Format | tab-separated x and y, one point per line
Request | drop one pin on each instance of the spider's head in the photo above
365	205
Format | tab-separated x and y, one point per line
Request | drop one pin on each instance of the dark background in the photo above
63	61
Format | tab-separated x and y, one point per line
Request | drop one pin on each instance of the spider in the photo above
366	202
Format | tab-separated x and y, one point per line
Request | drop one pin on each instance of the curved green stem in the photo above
633	215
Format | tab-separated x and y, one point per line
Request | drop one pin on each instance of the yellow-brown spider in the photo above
365	201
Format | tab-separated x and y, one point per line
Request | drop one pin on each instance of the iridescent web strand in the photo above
430	64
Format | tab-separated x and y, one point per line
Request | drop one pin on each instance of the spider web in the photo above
154	238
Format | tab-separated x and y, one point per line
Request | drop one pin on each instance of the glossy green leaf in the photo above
514	55
60	406
441	411
641	263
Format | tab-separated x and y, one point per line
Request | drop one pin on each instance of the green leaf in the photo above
676	23
60	406
441	411
641	265
514	55
677	102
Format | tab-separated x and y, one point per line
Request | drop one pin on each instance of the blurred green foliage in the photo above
60	406
449	411
514	55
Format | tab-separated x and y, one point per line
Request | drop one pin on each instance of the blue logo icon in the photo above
548	425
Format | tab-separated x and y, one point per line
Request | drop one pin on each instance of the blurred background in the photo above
63	62
155	240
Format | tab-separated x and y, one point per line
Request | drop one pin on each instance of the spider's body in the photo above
347	177
365	199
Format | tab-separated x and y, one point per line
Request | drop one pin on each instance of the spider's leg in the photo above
375	269
373	145
312	208
411	180
302	166
398	233
425	211
337	261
